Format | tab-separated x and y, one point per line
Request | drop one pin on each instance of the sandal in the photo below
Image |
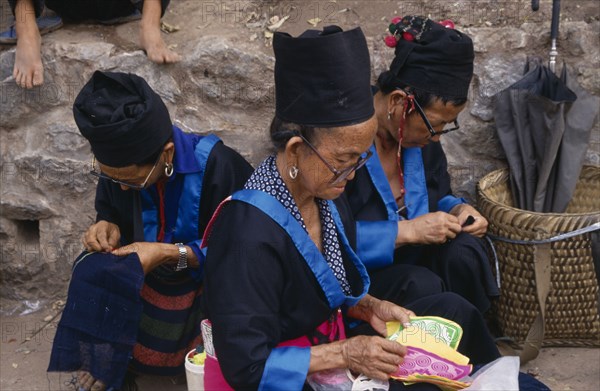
45	23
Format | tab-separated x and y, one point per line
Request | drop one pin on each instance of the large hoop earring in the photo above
293	172
169	169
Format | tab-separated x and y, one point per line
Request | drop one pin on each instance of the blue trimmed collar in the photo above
184	161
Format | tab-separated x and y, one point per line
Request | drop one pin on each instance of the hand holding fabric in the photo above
478	227
151	254
102	236
430	228
373	356
377	312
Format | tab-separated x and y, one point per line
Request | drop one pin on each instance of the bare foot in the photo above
155	47
28	71
85	381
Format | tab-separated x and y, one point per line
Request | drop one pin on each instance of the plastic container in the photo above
194	373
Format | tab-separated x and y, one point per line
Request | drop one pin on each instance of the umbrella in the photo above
544	124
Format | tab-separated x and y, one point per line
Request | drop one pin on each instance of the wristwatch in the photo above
183	255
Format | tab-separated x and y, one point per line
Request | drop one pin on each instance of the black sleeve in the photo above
226	172
436	174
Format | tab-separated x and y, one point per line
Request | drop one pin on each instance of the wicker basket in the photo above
570	316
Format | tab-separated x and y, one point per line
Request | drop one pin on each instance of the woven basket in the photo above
571	308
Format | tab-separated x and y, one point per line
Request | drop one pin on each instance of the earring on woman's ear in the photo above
389	115
169	169
293	172
409	105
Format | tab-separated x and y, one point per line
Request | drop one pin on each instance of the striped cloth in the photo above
170	322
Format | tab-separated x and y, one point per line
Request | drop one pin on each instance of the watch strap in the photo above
182	262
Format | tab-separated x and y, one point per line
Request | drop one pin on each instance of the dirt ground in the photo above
27	339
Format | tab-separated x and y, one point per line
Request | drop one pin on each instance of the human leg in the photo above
464	266
150	34
403	284
28	70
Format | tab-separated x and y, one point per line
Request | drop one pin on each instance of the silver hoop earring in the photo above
169	169
293	172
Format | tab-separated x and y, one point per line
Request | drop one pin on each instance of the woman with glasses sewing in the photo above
402	201
158	187
282	278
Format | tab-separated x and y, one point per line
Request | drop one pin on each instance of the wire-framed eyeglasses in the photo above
133	186
339	175
433	132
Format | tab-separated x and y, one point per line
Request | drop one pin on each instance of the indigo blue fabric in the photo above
99	324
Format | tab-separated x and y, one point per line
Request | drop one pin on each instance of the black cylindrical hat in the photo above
322	78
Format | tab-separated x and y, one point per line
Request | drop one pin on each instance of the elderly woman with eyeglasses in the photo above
402	201
157	190
283	283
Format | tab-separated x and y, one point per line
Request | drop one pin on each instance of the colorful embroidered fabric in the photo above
431	357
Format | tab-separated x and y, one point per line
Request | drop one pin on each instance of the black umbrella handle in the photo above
535	5
555	19
554	34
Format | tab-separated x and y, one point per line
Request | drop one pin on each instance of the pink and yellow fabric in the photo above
432	357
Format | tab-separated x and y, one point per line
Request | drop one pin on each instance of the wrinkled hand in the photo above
151	254
432	228
385	311
479	226
377	312
102	236
373	356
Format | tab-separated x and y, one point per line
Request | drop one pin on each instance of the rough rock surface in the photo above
225	85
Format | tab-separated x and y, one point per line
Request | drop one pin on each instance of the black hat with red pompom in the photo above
431	57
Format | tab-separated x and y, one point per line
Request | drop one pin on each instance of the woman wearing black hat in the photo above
282	277
157	190
402	197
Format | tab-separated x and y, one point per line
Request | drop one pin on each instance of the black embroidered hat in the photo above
431	57
124	120
322	78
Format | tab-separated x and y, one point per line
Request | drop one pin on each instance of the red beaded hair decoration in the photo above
410	28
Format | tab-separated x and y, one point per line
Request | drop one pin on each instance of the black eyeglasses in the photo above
432	132
100	174
339	176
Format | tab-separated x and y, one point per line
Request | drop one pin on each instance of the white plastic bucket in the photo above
194	374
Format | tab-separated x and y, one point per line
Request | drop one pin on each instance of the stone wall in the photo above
225	86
